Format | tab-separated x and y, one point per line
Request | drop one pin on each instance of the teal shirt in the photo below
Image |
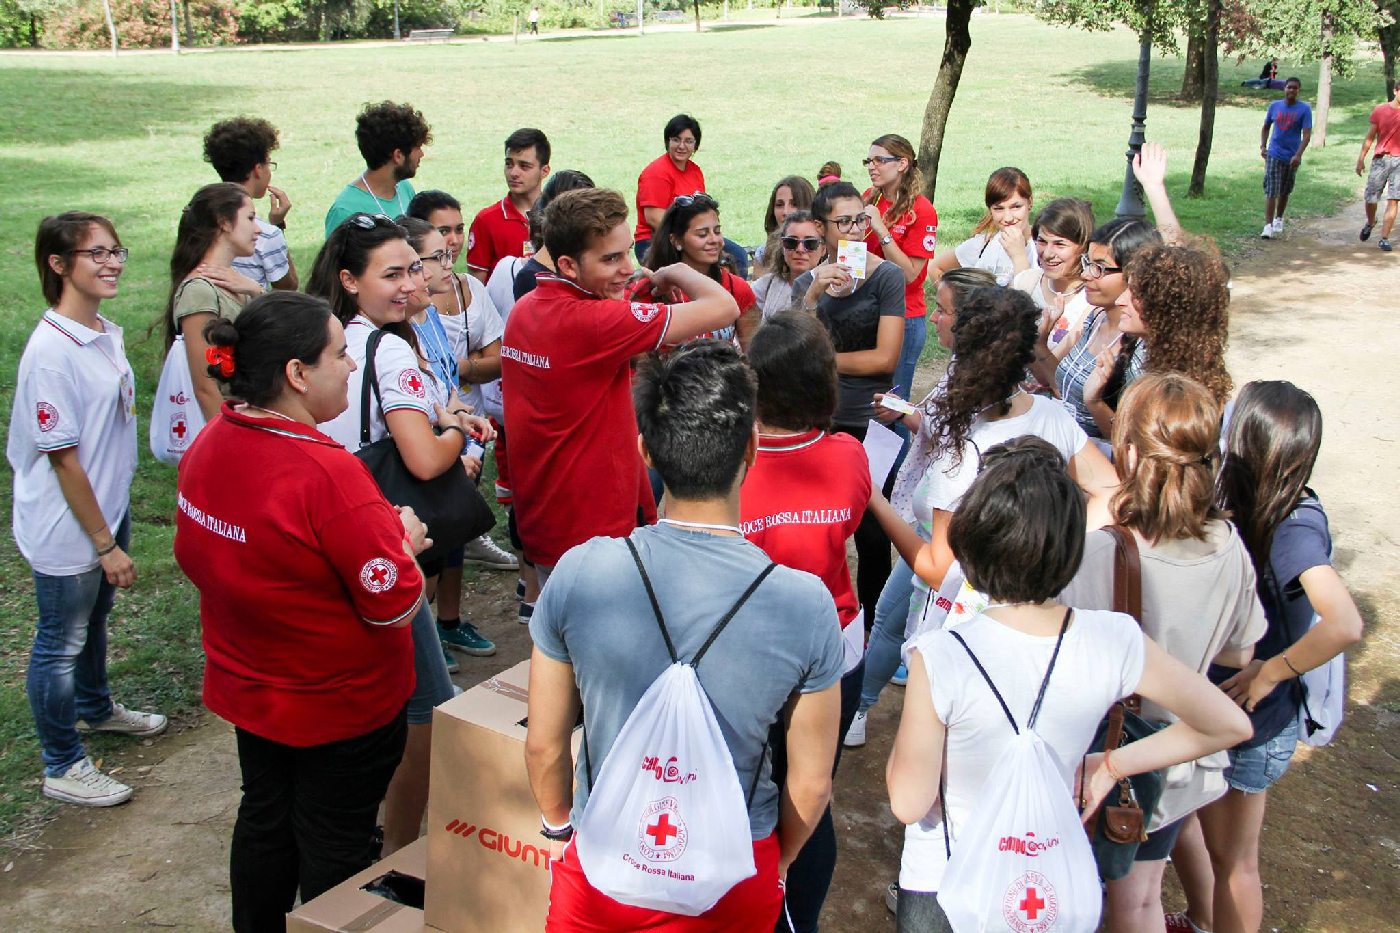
355	200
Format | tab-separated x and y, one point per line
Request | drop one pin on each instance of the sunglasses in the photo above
370	221
809	243
101	254
699	199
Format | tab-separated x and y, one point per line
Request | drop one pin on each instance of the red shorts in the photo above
575	906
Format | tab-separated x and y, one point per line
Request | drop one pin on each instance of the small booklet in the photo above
850	255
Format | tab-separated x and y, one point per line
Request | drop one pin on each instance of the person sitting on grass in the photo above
240	151
597	647
72	448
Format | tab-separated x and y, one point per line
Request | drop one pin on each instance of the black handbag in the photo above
448	504
1121	823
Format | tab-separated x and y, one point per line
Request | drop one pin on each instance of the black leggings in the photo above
873	563
809	878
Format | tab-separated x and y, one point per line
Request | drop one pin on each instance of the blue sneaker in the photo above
466	639
451	662
901	675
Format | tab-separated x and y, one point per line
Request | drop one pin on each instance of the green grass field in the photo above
122	137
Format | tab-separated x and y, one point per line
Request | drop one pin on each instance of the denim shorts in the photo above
433	684
1254	770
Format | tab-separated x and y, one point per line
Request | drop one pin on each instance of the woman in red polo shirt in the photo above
903	230
689	232
801	501
305	598
667	177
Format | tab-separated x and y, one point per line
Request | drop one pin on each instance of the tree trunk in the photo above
1193	79
1390	40
1324	86
697	15
1210	59
189	30
111	26
956	43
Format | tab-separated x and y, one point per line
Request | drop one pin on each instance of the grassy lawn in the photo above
122	137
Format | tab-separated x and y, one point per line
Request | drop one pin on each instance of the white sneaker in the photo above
128	722
855	736
85	786
1267	233
1278	226
484	552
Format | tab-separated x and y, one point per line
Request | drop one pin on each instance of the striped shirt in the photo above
270	261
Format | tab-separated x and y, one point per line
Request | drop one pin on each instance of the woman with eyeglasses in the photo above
1001	241
689	232
800	248
904	230
667	177
1061	235
863	311
368	272
72	448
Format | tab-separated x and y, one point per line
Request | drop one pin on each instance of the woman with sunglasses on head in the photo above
72	448
863	311
689	233
799	247
368	272
1061	235
1001	241
904	230
790	194
218	225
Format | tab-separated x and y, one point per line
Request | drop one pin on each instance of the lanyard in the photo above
702	525
398	198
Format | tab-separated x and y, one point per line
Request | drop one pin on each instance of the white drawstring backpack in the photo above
175	417
666	826
1023	863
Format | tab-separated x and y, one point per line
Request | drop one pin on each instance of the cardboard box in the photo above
488	866
349	908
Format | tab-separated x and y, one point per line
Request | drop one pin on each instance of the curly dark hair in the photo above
236	147
1182	294
382	128
996	332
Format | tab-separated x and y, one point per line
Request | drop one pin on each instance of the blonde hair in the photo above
1166	445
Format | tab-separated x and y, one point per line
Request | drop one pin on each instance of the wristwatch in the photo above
886	240
281	225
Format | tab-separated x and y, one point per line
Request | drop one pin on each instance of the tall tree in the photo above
1389	35
1210	92
957	42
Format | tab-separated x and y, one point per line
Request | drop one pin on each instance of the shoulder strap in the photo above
1044	683
988	678
369	383
651	595
1127	585
731	613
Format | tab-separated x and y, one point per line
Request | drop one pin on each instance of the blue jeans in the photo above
915	336
68	664
887	635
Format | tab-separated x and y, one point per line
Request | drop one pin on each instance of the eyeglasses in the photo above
809	243
683	142
1094	269
442	257
879	160
845	224
101	254
699	199
271	166
416	268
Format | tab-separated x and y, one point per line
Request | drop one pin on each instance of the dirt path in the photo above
1317	308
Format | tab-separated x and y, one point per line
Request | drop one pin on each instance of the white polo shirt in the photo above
401	385
69	393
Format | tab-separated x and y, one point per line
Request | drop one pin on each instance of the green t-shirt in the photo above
356	200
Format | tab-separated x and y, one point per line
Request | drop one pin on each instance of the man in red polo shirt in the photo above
500	230
575	469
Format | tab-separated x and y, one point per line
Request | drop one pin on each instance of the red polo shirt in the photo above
802	501
741	290
916	234
301	571
497	231
661	183
565	375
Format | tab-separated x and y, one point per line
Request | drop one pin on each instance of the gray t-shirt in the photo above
594	614
854	323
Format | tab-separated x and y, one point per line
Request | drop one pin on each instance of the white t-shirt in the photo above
75	388
479	327
1100	662
500	285
984	251
1066	322
401	385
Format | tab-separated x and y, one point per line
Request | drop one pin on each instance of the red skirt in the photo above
575	906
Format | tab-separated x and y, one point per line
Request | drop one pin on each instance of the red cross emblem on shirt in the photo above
414	383
661	831
1031	904
48	417
411	383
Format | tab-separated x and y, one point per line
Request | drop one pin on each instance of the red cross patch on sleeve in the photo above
379	575
411	383
48	417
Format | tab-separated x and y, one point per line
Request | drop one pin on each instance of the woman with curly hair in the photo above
1177	300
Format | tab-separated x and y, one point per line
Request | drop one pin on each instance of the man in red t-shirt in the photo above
576	472
502	229
1385	167
667	177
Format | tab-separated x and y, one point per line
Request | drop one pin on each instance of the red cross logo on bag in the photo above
1030	905
48	417
178	430
411	383
661	834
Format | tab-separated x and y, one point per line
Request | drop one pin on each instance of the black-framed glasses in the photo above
271	165
442	257
699	199
101	254
810	243
1093	269
846	224
878	160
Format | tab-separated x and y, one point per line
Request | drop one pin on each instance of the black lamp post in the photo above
1130	202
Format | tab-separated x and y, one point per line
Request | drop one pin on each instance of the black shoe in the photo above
1366	232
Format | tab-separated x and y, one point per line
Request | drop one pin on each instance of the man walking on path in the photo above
1385	167
1291	121
534	21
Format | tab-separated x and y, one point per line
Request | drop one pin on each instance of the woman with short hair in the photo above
1061	235
1001	242
72	449
304	601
